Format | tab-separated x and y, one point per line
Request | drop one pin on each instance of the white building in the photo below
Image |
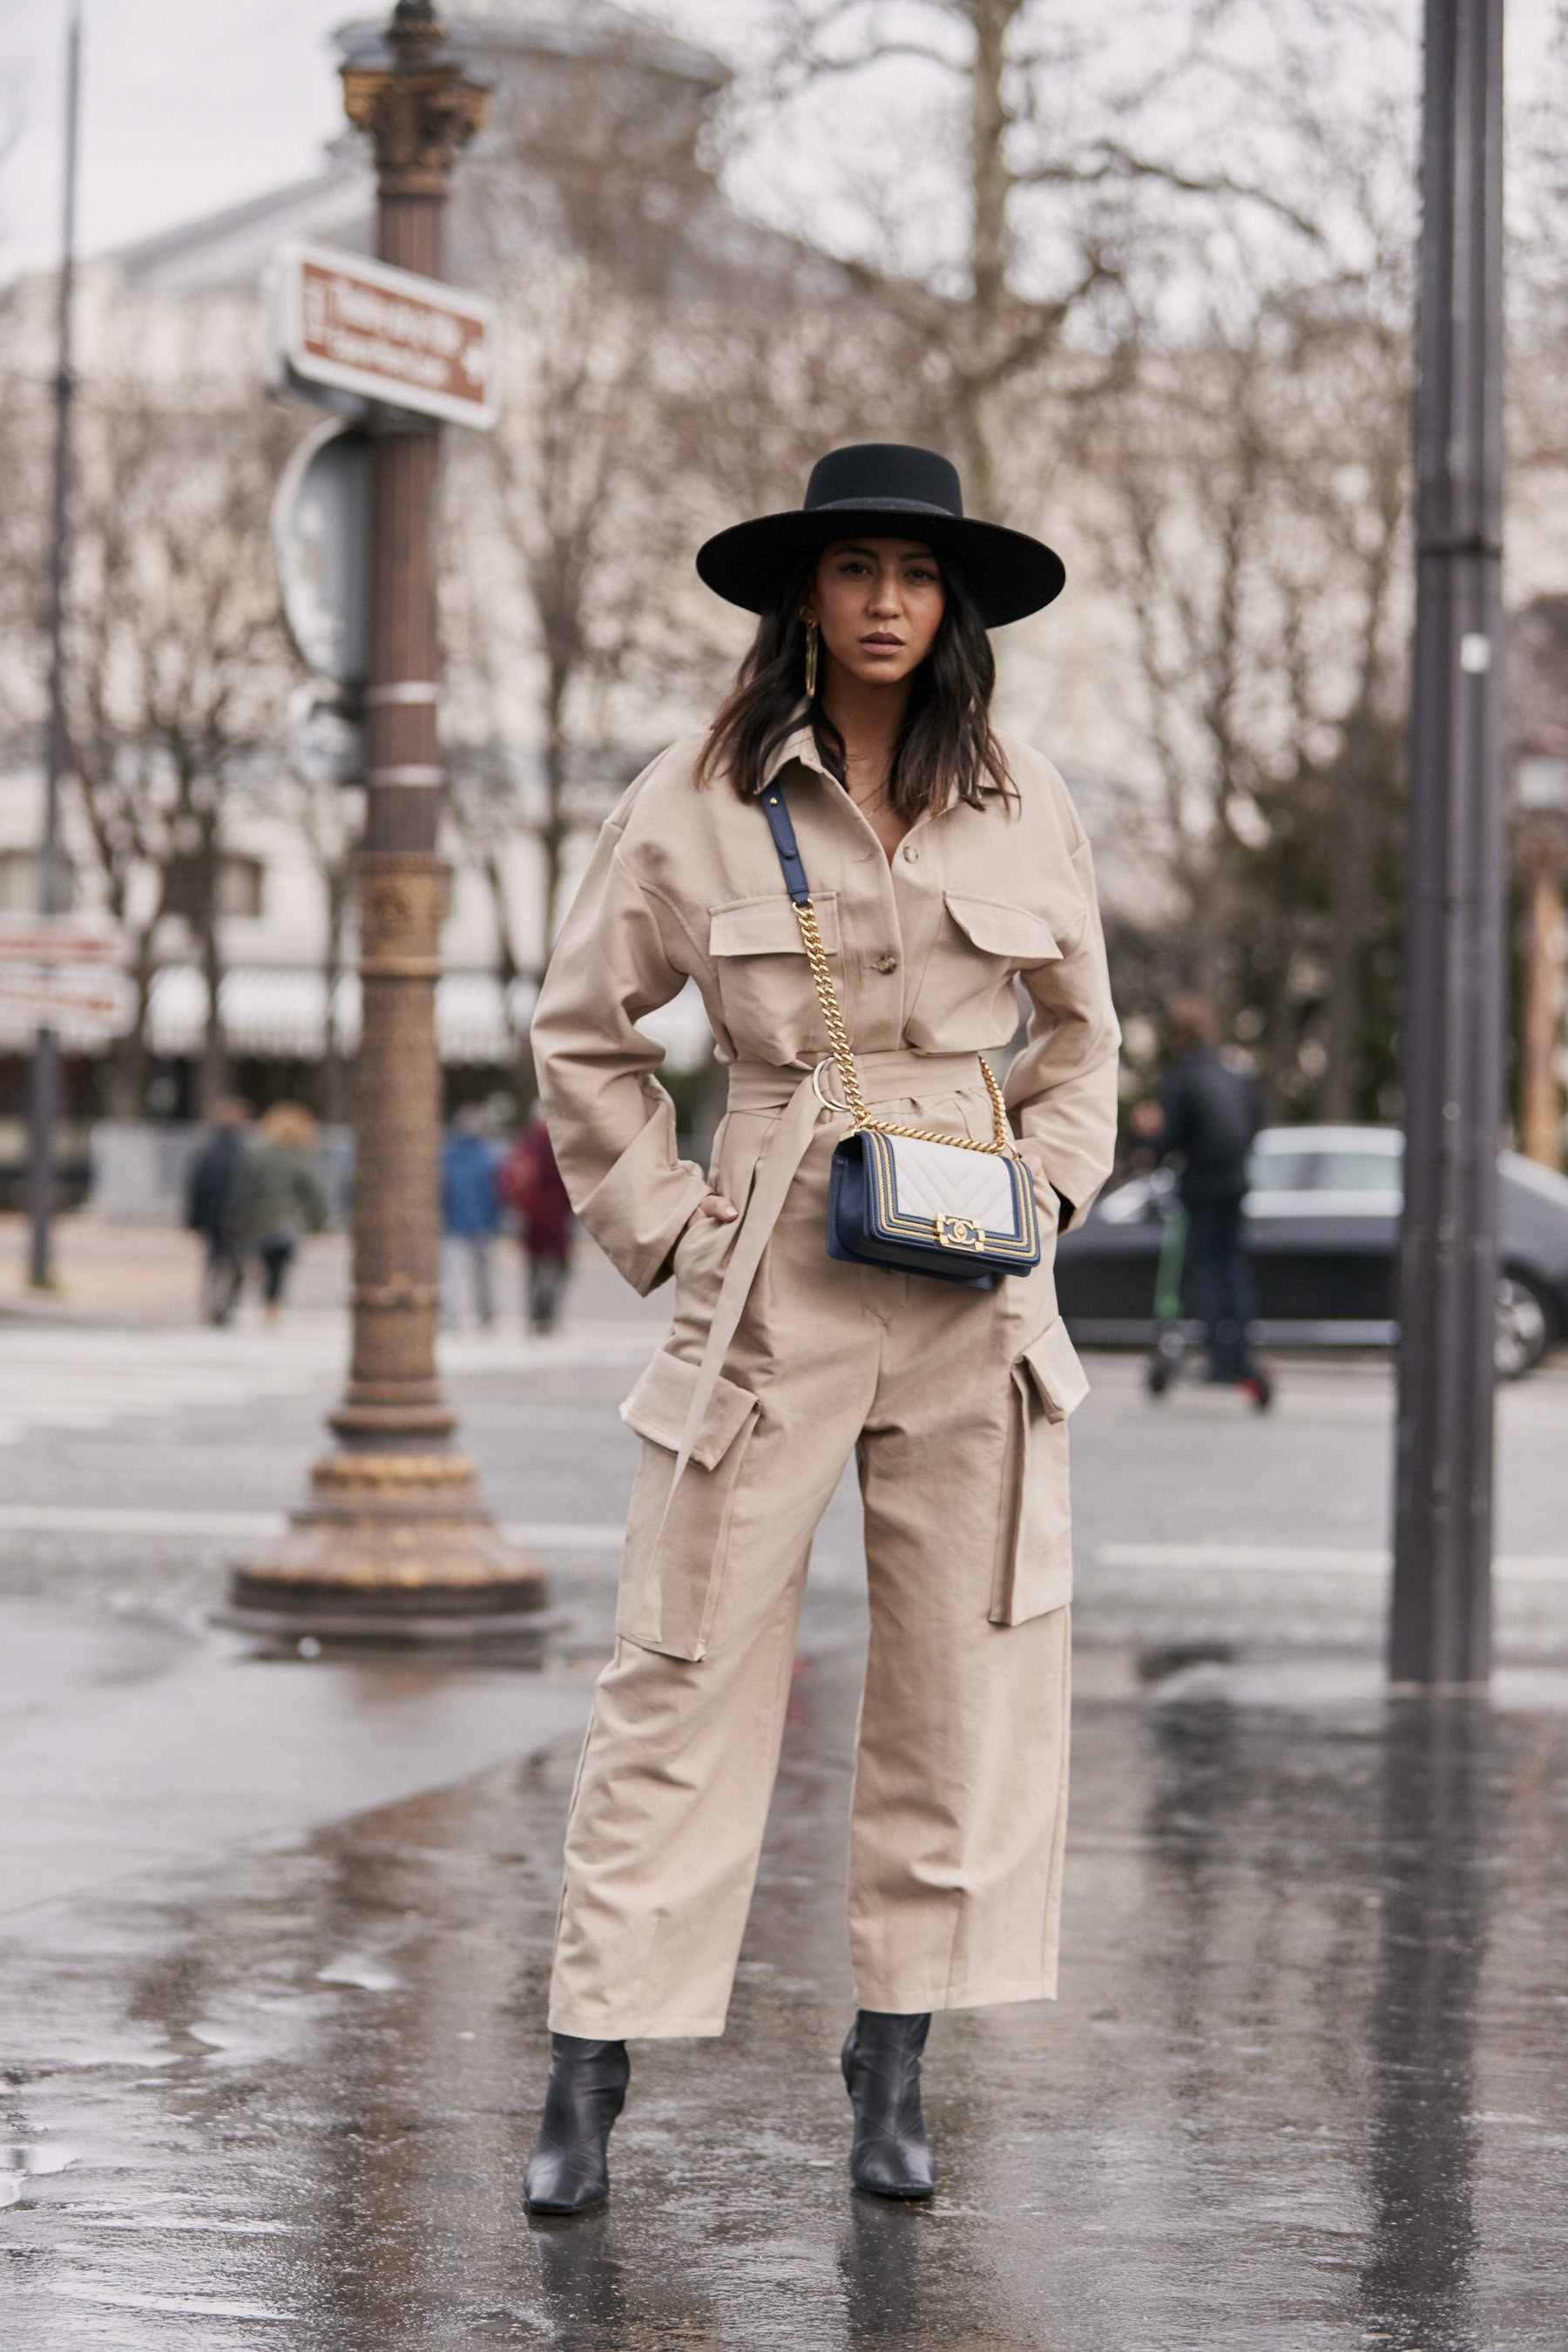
180	316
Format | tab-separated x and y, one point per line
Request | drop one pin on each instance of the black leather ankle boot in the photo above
586	2091
881	2061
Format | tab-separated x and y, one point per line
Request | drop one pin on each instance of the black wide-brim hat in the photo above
884	489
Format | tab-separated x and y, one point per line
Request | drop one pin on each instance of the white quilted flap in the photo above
934	1179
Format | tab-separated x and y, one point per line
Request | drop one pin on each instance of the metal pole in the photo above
44	1087
394	1543
1454	1000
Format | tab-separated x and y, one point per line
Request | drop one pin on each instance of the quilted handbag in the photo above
943	1205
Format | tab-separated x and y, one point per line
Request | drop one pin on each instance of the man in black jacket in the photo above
209	1201
1209	1115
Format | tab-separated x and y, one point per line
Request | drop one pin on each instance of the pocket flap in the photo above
657	1407
769	926
1054	1366
998	929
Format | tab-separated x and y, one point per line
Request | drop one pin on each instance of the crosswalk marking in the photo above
76	1377
259	1527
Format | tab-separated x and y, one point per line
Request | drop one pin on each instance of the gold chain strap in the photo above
843	1055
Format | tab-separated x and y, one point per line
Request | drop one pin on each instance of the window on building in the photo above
19	882
239	886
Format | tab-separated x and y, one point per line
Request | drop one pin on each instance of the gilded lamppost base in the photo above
391	1548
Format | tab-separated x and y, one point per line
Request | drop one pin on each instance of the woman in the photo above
944	867
279	1196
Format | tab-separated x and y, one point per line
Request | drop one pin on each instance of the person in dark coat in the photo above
1209	1115
530	1183
209	1207
278	1197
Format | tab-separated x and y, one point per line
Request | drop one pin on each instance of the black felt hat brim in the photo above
1008	573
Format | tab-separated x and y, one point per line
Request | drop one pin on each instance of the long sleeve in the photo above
611	1123
1061	1089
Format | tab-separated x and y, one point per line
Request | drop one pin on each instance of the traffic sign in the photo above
389	335
53	1001
59	971
47	940
320	533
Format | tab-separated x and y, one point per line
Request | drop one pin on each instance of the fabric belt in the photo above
897	1076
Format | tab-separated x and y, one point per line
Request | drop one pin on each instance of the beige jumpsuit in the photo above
781	1360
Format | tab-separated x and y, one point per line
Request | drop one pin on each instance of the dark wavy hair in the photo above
945	744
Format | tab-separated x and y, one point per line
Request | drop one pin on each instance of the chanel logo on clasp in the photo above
959	1233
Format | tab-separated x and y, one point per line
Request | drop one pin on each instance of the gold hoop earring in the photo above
812	638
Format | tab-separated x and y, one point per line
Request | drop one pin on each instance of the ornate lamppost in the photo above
393	1541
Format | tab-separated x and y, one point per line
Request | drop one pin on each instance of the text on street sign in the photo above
388	334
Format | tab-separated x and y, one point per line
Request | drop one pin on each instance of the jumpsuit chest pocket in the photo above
967	1001
1032	1572
995	928
764	983
677	1545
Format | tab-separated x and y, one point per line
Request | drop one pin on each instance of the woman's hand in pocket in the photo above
721	1211
1048	1200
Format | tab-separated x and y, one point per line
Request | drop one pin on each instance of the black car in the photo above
1322	1217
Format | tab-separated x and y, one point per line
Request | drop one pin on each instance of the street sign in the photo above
389	335
320	534
59	972
51	1001
47	940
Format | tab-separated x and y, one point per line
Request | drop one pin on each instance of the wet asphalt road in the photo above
271	2042
1306	2085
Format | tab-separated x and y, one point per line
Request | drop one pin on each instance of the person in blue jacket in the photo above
470	1217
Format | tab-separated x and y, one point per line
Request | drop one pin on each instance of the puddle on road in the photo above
1309	1999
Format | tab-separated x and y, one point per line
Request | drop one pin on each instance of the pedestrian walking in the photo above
854	767
1209	1115
279	1196
470	1218
531	1185
209	1208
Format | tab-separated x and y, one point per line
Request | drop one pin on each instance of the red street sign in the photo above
388	334
50	940
42	1001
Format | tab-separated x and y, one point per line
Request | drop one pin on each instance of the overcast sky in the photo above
187	105
192	104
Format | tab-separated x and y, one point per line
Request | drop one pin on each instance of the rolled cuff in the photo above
1075	1176
640	1210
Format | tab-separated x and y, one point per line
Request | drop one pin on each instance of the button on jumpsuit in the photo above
781	1362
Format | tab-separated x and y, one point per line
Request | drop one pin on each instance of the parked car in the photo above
1322	1219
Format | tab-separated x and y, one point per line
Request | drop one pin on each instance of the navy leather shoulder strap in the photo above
777	811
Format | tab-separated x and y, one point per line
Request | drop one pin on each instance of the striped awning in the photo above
279	1013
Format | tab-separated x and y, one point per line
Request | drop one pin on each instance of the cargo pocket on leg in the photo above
676	1548
1033	1548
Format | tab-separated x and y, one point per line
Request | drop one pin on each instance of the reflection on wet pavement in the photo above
1306	2086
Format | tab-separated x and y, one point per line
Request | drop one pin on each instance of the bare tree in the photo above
178	672
1252	514
328	819
1071	157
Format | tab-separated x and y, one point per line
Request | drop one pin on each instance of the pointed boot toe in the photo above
893	2168
569	2170
891	2155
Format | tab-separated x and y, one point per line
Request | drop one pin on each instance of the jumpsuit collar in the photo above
799	747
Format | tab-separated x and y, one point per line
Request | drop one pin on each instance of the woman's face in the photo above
878	603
